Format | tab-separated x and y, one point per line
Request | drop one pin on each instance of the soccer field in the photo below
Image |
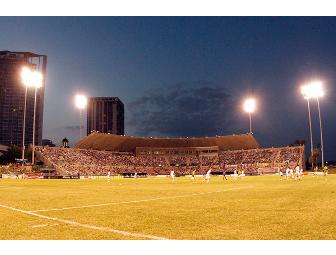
261	207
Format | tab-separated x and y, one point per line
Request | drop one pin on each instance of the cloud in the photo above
72	128
187	109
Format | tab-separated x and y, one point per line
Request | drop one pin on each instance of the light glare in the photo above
80	101
31	78
312	90
36	79
25	75
250	105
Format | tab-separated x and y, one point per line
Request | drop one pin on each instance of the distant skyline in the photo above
185	76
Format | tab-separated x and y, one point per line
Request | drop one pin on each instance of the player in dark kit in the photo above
224	175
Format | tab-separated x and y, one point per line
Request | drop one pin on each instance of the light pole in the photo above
249	107
37	78
321	132
311	134
307	94
316	91
30	79
80	102
25	76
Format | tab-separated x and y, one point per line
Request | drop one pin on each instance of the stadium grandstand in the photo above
99	153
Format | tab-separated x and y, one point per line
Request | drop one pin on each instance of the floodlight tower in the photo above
37	83
316	91
249	107
25	77
80	102
32	79
307	94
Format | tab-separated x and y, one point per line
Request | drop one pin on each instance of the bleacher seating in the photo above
71	161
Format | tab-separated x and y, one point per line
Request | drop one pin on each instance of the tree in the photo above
313	158
10	155
298	142
14	152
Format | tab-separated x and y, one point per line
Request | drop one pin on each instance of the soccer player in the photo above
224	175
108	176
235	174
315	170
297	172
291	173
287	172
325	170
136	175
280	174
207	176
172	175
193	175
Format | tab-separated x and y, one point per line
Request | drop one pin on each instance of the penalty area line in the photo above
74	223
138	201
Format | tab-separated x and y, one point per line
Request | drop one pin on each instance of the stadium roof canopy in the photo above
109	142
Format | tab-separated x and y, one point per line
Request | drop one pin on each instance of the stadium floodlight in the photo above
307	94
249	107
37	81
312	90
31	79
80	102
315	90
26	75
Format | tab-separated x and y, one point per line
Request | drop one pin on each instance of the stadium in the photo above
99	153
250	201
178	77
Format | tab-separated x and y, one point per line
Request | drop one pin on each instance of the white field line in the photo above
137	201
10	187
74	223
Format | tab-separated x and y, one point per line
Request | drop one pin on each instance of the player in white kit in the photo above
297	172
235	174
208	176
108	176
287	172
172	175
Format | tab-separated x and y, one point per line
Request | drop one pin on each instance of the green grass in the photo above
261	207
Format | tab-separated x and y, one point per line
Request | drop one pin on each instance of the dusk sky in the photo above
186	76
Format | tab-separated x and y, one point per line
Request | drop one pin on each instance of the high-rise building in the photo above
12	98
105	115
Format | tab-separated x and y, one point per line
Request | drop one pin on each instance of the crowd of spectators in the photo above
92	162
211	161
258	161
